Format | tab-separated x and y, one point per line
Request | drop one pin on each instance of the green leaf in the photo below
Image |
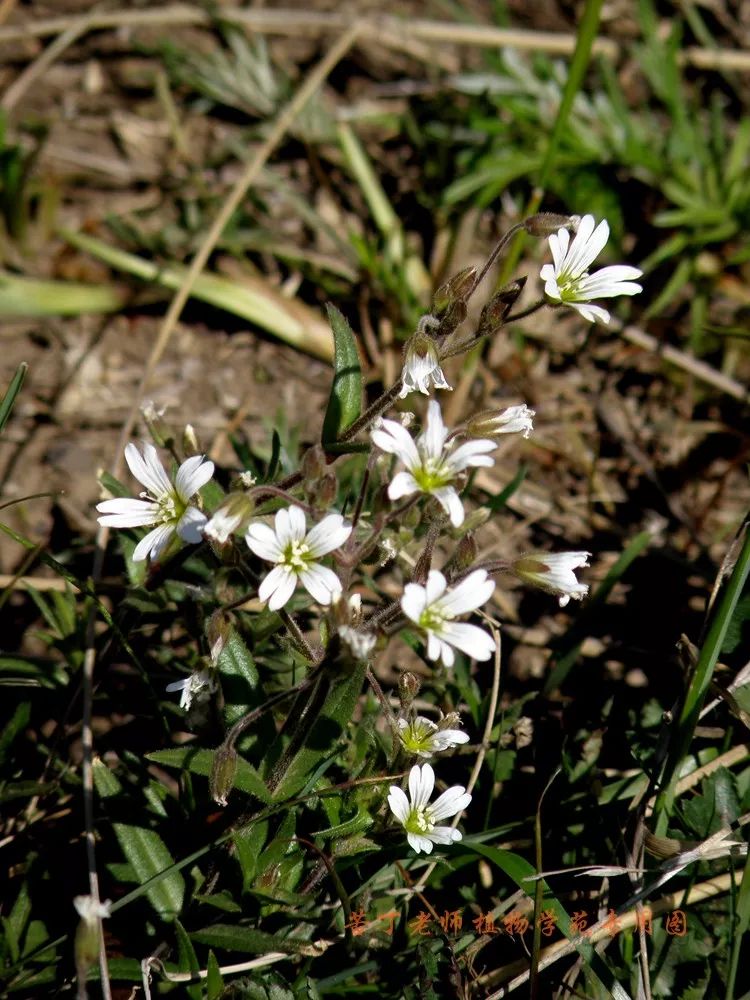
249	842
239	679
252	298
298	767
148	856
15	725
25	789
33	297
15	924
220	901
113	486
187	961
200	762
43	673
10	396
278	845
716	806
345	401
214	981
229	937
128	970
273	462
738	623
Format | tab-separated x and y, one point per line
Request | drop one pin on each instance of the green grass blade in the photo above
743	920
696	693
10	396
32	297
585	38
522	872
252	298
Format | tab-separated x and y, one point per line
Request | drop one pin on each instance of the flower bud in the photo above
553	573
218	630
326	492
493	423
387	550
152	417
190	443
355	609
408	689
246	480
313	464
453	317
359	643
86	945
232	516
454	290
465	554
222	774
495	311
546	223
523	730
450	721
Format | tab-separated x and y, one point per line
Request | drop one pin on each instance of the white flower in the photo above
91	910
166	505
513	420
421	365
421	736
432	466
192	687
434	607
418	817
355	609
235	512
554	573
360	643
295	554
567	280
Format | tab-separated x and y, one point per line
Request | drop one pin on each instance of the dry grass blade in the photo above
35	70
518	975
387	30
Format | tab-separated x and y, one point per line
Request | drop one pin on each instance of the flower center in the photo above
171	507
433	618
432	474
419	821
418	736
297	555
568	285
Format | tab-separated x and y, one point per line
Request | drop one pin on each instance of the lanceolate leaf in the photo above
148	856
239	678
345	401
201	762
187	961
214	981
247	939
320	734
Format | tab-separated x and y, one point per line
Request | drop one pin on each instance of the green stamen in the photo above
171	508
297	556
